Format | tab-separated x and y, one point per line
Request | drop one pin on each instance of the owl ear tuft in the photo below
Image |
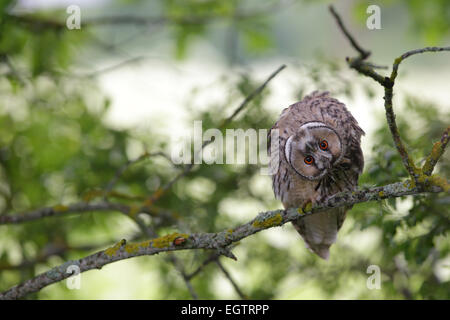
287	149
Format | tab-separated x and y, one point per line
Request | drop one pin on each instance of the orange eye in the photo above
309	160
323	145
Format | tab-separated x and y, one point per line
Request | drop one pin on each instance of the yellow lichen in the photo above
131	248
120	195
134	209
167	240
427	181
155	196
270	222
436	152
113	250
422	178
145	244
308	207
88	196
60	208
381	194
418	175
158	193
408	184
305	209
440	182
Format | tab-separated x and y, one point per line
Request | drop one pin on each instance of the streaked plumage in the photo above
319	129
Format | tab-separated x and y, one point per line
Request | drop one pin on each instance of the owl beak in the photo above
324	163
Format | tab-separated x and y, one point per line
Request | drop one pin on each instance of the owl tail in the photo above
322	250
319	231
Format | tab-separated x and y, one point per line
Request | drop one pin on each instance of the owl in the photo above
319	155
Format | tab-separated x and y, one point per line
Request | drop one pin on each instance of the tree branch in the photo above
422	182
213	257
150	233
37	22
362	52
213	241
233	283
107	206
419	176
81	207
413	52
129	163
436	152
158	193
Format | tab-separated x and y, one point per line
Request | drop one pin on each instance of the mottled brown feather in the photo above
295	191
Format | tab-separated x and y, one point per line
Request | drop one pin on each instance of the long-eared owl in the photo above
320	155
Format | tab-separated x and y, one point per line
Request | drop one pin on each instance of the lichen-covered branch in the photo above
60	210
367	69
436	152
81	207
220	241
150	233
411	53
408	163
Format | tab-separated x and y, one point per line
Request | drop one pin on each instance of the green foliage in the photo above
416	235
55	149
429	19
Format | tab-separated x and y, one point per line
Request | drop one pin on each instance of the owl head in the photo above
313	150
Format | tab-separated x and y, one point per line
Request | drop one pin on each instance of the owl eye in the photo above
309	160
323	145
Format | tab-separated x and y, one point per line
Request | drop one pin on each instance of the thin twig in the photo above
436	152
213	257
80	207
150	233
129	163
114	67
37	22
50	211
388	84
158	193
363	53
233	283
13	70
376	66
185	277
411	53
251	96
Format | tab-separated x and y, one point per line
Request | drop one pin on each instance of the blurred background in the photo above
76	105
